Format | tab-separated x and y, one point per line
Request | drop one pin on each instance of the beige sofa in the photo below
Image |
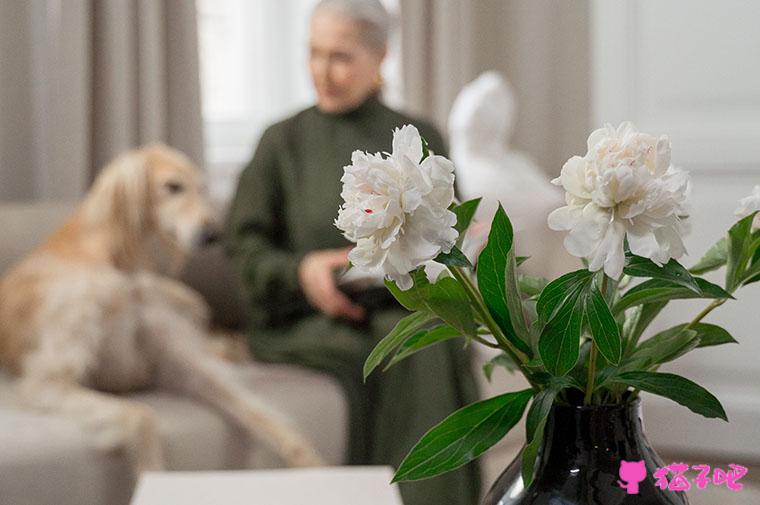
43	459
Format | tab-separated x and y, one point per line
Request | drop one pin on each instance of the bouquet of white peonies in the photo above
576	339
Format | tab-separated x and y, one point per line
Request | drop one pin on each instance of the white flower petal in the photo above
633	188
613	248
573	177
565	218
584	238
749	204
396	208
407	142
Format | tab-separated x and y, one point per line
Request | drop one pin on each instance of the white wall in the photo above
542	47
691	69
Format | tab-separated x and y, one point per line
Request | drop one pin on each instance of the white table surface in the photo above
313	486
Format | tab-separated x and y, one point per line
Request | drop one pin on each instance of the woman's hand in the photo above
316	273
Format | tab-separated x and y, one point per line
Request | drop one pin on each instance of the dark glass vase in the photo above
580	459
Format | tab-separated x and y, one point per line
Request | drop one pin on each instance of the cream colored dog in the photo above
85	316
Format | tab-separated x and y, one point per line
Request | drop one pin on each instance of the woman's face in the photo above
344	69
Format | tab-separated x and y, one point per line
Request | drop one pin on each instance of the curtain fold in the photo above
145	83
540	46
83	80
437	54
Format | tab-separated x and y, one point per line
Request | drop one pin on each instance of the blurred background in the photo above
82	80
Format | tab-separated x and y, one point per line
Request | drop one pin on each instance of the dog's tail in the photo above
186	368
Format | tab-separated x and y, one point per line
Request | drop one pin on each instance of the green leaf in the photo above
710	335
713	291
562	303
751	275
656	290
639	320
579	371
531	286
530	453
448	300
739	251
714	258
560	339
404	329
465	212
492	273
414	298
604	328
503	360
559	290
521	259
421	340
453	258
672	271
674	342
535	423
666	346
425	149
679	389
514	299
463	436
539	409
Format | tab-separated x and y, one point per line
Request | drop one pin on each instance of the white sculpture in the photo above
480	128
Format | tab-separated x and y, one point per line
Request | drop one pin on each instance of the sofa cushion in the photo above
44	458
25	226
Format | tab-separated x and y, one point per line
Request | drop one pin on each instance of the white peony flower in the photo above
623	186
396	208
750	204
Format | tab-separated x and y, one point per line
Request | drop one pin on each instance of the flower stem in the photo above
517	355
714	305
591	378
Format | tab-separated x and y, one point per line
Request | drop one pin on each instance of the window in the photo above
253	59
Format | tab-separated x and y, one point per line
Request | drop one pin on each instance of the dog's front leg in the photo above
183	366
110	422
184	300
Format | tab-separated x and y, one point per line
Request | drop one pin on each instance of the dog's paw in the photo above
231	347
116	426
304	456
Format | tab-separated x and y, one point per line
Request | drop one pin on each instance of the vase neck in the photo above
585	435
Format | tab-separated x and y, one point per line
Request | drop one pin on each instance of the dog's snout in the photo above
211	234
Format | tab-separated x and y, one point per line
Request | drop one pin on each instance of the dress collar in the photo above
367	108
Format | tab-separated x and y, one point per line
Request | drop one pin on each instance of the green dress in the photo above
286	202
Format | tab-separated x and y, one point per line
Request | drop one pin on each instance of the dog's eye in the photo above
174	187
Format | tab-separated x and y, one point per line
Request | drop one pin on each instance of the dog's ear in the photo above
120	201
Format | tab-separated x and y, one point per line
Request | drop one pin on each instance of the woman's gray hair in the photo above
370	14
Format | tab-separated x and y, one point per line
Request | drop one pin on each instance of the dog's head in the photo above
180	208
154	191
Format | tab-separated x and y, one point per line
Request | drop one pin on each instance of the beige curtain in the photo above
83	80
541	46
437	53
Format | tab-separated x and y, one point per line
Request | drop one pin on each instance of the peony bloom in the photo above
750	204
396	208
623	187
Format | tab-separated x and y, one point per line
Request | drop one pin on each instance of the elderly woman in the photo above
287	250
